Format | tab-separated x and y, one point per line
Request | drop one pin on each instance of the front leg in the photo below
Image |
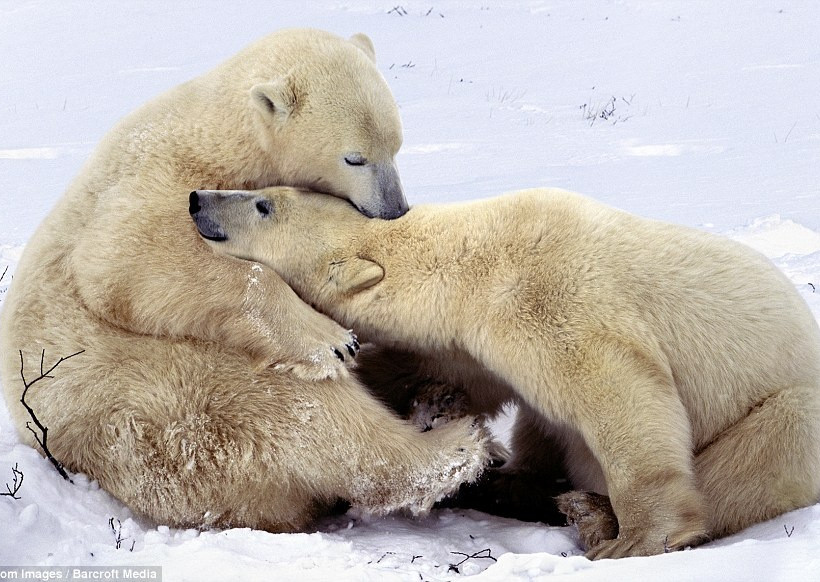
288	333
626	407
623	403
144	269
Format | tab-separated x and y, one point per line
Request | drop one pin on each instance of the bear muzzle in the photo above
391	200
208	228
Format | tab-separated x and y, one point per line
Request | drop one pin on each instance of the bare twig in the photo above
785	139
118	539
3	274
117	532
384	555
16	483
789	532
42	437
608	110
485	554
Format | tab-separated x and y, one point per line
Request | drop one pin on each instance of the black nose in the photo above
193	203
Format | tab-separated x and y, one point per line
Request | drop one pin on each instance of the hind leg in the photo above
188	434
765	464
183	433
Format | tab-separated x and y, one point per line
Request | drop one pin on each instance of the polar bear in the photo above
208	393
680	370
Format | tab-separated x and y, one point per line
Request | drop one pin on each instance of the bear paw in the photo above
321	356
592	514
437	404
465	450
603	537
422	474
647	542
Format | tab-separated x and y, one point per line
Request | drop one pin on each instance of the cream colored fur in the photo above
173	406
679	370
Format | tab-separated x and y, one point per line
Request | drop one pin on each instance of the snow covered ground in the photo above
698	112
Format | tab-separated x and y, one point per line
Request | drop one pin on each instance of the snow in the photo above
697	112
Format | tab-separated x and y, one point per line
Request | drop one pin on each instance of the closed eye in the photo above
355	160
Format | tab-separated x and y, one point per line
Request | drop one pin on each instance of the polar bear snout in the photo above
393	203
201	208
217	213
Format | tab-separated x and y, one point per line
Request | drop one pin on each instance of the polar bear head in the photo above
327	118
310	239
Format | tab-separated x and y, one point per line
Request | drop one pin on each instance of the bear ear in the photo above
363	41
276	98
354	275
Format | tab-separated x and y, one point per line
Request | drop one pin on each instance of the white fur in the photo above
208	392
679	370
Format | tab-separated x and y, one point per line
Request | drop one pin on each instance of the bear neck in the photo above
168	140
428	295
224	155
